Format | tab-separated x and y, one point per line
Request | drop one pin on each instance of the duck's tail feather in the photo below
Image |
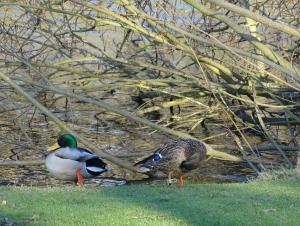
144	160
95	166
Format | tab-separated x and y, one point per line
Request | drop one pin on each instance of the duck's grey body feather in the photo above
76	154
64	162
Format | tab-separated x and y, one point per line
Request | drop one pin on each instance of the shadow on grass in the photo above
10	220
235	204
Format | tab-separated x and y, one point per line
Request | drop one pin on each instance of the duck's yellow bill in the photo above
53	147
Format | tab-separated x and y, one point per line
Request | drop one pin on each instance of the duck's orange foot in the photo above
181	181
80	179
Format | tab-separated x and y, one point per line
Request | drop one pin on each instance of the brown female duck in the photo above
173	159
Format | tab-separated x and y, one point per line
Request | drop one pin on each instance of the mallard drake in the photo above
69	162
173	159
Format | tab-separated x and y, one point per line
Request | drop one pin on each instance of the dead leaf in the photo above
269	210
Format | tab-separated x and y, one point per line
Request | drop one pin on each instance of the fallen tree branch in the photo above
261	147
98	103
64	127
22	162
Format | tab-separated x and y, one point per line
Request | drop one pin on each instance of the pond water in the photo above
25	134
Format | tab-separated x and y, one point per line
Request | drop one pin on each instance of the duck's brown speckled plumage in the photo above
177	157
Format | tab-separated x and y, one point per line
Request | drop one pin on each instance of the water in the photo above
25	134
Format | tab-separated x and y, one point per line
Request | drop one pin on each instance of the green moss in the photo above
256	203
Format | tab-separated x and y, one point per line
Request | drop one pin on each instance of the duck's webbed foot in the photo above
80	179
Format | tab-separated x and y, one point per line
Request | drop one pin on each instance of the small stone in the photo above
171	181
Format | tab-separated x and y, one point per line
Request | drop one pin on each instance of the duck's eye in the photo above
157	157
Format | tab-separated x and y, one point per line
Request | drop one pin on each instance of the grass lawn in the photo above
256	203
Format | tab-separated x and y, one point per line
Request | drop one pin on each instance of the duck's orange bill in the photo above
53	147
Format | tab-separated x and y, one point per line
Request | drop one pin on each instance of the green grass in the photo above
256	203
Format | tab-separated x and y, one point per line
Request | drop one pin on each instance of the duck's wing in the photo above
145	159
192	162
164	153
194	154
76	154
